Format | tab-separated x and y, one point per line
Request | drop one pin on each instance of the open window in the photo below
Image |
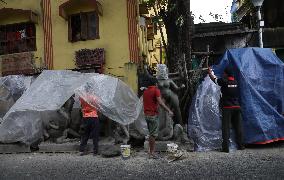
16	38
83	26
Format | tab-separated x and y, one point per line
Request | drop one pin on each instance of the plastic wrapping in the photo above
162	71
204	121
11	89
24	121
112	97
260	74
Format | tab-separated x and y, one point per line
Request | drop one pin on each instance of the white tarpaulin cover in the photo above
204	121
11	89
23	122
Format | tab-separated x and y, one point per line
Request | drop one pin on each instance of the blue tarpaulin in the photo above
260	74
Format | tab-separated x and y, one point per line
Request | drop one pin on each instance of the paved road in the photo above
253	163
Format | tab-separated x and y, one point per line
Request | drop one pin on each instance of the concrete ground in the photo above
252	163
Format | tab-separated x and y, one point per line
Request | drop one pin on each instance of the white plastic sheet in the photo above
112	97
162	71
204	121
11	89
23	122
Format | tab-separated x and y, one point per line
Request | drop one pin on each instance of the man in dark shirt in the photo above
151	101
231	110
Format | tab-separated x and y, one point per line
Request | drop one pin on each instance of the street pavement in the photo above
252	163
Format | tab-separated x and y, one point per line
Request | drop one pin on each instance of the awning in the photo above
8	12
71	4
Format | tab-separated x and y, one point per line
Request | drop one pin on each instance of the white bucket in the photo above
172	148
125	151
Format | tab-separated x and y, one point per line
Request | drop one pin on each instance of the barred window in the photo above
16	38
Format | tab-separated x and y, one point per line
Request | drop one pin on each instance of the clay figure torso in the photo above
171	98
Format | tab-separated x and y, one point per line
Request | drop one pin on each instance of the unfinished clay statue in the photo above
166	126
6	100
121	134
168	130
59	127
167	88
113	131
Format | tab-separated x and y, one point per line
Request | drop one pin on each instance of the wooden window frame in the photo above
87	35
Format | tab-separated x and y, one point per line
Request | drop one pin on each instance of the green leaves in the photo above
159	3
156	19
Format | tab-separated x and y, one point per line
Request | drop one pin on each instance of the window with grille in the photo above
83	26
16	38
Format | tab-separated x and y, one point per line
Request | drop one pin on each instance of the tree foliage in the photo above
176	17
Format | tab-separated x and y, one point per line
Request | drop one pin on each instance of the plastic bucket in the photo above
172	148
125	151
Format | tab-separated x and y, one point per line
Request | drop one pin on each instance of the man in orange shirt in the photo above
91	122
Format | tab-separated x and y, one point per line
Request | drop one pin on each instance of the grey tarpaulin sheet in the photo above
23	122
204	121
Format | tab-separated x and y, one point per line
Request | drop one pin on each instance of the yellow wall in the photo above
146	45
158	39
113	37
113	32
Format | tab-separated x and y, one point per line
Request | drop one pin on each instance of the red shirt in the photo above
150	101
87	109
